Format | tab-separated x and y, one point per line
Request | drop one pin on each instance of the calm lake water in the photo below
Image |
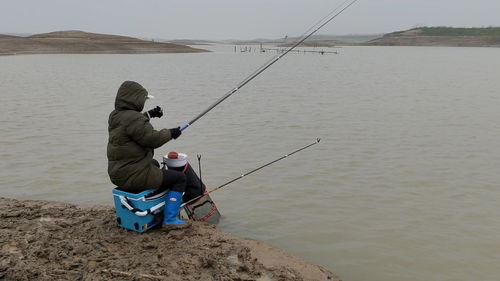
403	186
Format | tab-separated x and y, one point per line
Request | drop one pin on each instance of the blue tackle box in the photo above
139	211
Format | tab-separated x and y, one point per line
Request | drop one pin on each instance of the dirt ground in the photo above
42	240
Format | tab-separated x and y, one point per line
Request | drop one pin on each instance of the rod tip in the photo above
318	140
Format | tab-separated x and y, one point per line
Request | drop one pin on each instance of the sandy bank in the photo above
42	240
79	42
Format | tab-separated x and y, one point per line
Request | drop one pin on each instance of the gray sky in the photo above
235	19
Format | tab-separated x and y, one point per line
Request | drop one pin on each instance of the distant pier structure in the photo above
278	50
245	49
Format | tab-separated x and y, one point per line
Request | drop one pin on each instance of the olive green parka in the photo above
132	140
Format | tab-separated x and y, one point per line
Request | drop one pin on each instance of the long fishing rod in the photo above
252	171
265	66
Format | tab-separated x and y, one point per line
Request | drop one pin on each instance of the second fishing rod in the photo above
247	173
324	21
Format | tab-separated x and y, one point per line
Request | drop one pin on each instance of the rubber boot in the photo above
172	205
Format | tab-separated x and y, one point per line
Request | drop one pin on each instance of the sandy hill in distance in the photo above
80	42
7	36
419	36
441	36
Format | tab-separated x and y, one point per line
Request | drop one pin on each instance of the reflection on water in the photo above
403	186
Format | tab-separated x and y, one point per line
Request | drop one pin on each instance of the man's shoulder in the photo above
132	115
125	118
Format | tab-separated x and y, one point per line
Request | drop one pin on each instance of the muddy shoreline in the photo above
42	240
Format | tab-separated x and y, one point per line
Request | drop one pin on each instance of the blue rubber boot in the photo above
172	205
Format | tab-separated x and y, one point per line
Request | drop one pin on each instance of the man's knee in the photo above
174	180
180	183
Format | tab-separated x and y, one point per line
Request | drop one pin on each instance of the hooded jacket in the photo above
132	140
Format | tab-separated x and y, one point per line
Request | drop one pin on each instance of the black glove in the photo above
155	112
175	132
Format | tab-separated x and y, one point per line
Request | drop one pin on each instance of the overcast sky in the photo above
236	19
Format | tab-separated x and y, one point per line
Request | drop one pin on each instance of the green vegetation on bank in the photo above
454	31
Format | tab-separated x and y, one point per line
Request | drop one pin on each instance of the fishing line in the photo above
324	21
252	171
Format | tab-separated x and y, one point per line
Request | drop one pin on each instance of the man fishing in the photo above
131	144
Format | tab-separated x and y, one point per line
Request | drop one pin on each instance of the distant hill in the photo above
77	34
192	42
441	36
320	40
80	42
7	36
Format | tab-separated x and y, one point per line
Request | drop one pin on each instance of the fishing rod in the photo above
252	171
332	15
